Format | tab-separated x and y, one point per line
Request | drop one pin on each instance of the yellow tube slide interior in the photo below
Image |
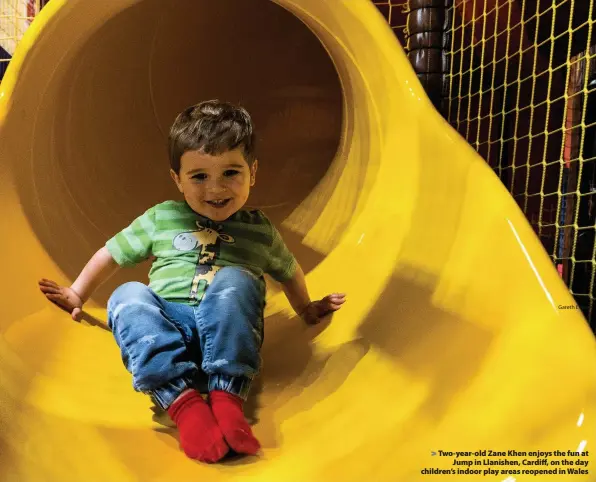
458	334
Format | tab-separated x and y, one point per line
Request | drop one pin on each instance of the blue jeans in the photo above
169	347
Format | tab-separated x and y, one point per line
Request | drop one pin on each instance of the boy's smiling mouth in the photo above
219	203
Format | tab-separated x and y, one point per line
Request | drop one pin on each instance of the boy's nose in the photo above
215	187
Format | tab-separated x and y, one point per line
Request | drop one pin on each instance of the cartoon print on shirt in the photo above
206	241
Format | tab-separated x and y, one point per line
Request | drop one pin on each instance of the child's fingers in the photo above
337	296
48	284
330	308
49	289
336	300
46	281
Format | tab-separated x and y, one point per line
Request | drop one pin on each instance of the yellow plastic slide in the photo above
459	355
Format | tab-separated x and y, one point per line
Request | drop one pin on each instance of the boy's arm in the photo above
310	311
99	268
284	268
296	291
128	247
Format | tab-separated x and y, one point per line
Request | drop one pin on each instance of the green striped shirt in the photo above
190	248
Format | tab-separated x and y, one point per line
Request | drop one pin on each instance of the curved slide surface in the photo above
455	335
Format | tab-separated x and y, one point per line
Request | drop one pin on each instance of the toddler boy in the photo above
198	326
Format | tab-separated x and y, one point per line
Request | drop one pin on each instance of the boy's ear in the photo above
253	172
176	179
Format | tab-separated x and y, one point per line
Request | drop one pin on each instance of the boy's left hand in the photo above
316	310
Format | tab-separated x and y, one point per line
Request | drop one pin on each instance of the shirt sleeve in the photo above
134	243
282	263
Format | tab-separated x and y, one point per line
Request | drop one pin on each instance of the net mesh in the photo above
15	18
521	90
395	11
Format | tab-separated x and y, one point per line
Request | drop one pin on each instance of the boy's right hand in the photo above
62	296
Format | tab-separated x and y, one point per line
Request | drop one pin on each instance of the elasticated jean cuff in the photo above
164	396
239	386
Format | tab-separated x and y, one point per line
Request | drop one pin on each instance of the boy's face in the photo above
215	186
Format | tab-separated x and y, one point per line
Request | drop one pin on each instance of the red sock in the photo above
227	409
200	436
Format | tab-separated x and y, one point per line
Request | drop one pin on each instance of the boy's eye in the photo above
200	177
231	172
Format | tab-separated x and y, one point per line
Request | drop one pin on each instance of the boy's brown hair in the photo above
211	127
